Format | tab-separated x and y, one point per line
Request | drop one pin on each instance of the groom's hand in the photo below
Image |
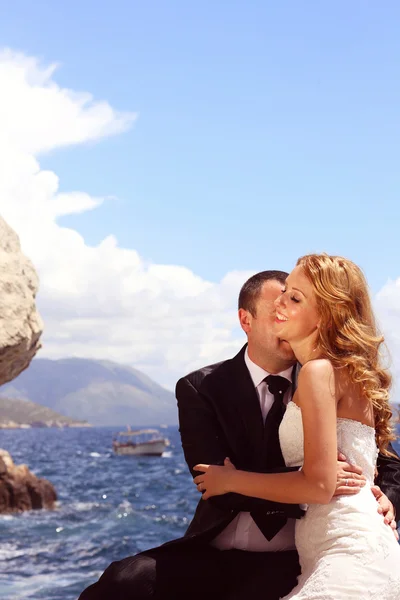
350	479
385	508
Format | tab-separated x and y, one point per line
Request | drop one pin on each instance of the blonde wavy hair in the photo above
348	335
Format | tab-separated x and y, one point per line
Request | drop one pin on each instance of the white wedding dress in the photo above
346	551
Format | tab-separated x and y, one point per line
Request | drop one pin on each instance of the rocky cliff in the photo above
20	331
20	323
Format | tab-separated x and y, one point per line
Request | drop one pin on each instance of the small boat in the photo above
142	442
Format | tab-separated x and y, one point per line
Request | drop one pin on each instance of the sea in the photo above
109	507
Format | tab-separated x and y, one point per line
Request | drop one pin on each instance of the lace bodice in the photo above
355	440
345	549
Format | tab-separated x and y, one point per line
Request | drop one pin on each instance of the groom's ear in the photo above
245	320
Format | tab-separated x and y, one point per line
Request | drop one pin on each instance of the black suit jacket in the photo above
220	416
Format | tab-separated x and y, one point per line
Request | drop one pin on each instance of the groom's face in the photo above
260	327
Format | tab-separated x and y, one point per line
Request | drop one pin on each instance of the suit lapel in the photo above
232	392
247	402
236	399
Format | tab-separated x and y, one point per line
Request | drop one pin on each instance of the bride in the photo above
341	404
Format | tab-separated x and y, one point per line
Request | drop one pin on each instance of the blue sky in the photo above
263	131
266	130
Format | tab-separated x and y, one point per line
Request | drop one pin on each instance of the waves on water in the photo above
108	507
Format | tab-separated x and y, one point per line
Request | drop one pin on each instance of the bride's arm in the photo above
316	482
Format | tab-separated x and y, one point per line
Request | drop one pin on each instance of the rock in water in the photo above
22	490
20	323
20	331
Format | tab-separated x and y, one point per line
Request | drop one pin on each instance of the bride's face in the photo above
297	315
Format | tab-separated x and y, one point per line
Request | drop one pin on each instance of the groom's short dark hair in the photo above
251	290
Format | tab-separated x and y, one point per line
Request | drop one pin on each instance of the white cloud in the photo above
107	301
74	202
103	301
49	116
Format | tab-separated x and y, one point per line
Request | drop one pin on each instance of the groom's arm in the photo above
203	441
388	478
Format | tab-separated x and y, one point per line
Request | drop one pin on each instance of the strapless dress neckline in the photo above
340	418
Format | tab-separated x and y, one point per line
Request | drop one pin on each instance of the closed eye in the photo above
293	298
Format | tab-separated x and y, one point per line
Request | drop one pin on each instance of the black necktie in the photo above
267	523
277	386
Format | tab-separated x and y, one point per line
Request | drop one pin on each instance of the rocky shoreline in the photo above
21	490
16	413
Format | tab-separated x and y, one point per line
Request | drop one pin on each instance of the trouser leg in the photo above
195	573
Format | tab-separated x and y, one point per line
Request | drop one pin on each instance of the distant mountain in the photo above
14	412
98	391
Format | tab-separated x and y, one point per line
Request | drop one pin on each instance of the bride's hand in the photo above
214	480
350	478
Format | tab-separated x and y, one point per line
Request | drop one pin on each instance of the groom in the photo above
236	547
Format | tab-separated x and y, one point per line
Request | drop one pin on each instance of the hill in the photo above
100	392
14	412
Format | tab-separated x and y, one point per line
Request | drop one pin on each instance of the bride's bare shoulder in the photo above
316	368
316	378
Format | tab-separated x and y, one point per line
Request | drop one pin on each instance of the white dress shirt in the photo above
242	533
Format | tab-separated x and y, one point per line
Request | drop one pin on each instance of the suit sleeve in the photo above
203	441
388	478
